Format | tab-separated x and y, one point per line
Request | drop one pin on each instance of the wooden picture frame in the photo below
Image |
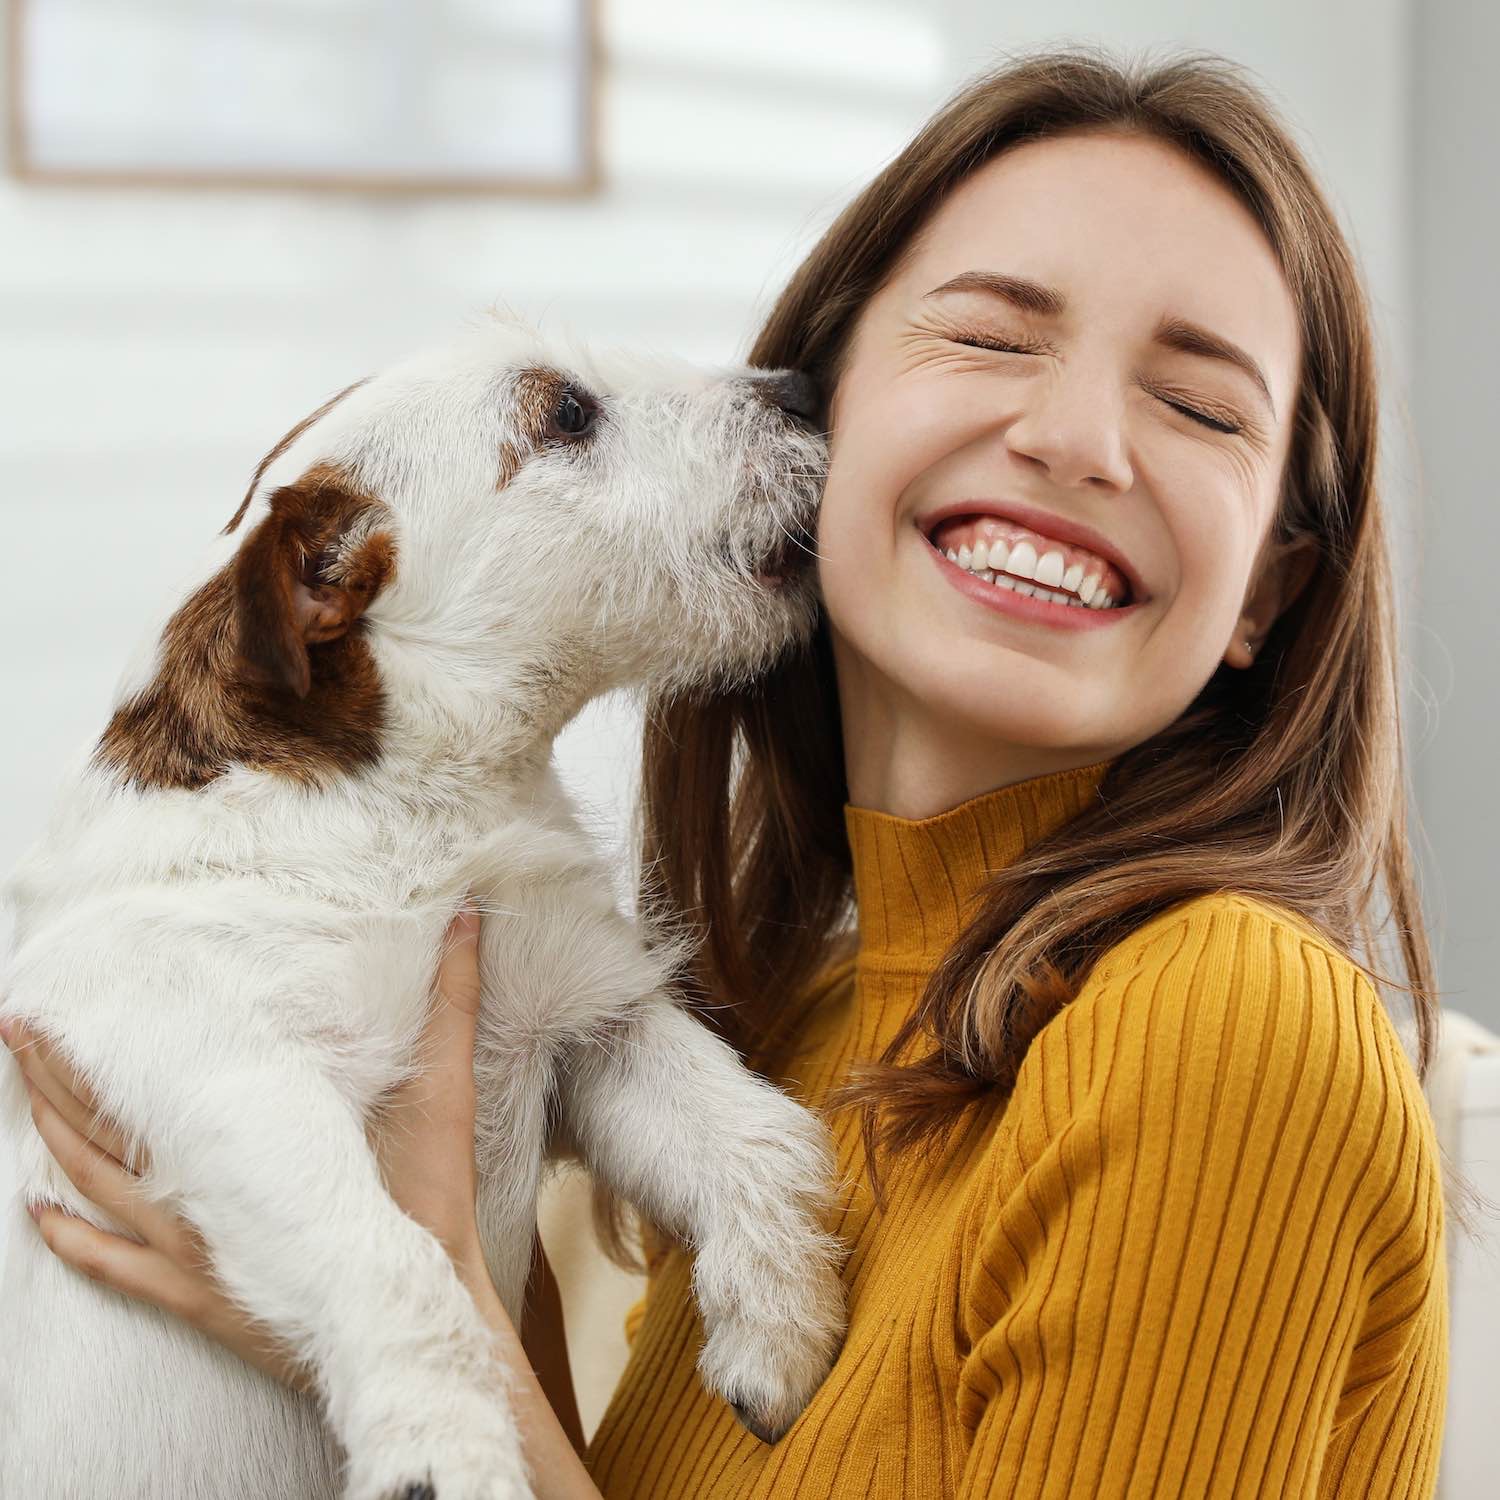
552	98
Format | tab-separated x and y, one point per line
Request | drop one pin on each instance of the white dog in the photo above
232	925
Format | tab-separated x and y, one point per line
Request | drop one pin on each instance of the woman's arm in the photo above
544	1338
1211	1264
427	1157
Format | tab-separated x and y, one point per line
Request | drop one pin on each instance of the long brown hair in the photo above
1285	780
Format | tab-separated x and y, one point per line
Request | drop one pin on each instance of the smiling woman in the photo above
1097	742
1156	331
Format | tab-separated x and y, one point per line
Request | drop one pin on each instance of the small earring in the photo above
1250	647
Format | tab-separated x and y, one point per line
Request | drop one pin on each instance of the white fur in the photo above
240	972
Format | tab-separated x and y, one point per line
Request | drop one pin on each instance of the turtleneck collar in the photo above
915	878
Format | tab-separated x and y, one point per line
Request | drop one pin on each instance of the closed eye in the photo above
1217	424
1003	346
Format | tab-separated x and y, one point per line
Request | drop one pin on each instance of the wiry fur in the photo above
237	953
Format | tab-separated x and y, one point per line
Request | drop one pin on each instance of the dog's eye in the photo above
573	415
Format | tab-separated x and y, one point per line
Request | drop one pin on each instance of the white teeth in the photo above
1050	569
993	562
1022	560
1016	586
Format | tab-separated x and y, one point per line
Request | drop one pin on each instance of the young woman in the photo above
1099	730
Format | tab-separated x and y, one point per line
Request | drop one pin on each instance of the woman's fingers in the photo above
44	1066
458	968
446	1089
424	1134
142	1272
136	1270
103	1181
171	1268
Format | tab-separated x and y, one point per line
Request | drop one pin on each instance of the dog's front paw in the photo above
767	1369
490	1487
473	1475
427	1489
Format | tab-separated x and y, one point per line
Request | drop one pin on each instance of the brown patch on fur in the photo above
511	458
281	447
537	392
265	664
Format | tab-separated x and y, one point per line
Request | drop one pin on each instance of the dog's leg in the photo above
414	1389
271	1162
509	1140
665	1112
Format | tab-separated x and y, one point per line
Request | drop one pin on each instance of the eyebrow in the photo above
1171	332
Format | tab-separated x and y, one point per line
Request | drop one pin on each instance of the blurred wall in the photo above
1455	229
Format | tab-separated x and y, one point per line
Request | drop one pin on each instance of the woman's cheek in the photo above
1196	629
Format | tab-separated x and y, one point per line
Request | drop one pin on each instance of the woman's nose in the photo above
1073	427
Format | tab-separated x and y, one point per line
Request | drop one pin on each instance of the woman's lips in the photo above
1019	606
1052	563
1055	529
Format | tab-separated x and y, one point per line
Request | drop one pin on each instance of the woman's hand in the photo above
425	1145
165	1262
423	1134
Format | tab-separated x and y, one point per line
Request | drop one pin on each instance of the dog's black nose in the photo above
794	393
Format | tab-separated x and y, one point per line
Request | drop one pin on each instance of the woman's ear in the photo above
1284	570
305	575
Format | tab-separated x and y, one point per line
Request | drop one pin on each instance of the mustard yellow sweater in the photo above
1199	1252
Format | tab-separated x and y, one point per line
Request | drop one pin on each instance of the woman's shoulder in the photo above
1223	946
1220	917
1257	1014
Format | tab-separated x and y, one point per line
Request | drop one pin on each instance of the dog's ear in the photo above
305	575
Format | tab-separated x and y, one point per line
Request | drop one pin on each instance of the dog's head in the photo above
508	514
511	499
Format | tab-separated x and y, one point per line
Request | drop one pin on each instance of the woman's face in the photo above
1110	430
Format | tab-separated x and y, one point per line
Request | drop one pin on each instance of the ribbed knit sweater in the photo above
1197	1252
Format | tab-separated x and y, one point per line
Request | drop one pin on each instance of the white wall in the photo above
1455	227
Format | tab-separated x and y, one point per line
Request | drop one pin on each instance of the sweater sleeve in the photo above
1215	1238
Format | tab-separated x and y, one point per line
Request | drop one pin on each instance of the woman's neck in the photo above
903	757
